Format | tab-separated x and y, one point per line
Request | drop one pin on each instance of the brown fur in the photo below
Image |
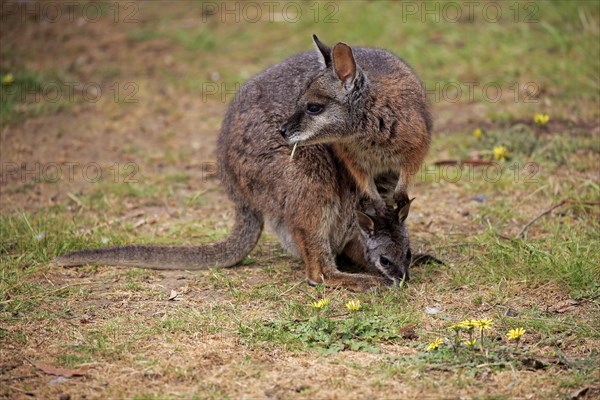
310	200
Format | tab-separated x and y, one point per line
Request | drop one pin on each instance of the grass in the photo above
250	330
462	55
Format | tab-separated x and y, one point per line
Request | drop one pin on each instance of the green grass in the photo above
332	329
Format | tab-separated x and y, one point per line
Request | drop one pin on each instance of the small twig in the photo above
75	199
293	151
49	281
496	364
546	212
463	162
562	203
168	209
292	287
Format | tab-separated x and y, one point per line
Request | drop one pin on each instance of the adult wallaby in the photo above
372	107
309	199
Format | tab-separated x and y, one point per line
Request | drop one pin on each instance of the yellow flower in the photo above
467	324
353	305
483	324
515	333
471	342
435	344
320	304
478	133
541	119
8	79
500	153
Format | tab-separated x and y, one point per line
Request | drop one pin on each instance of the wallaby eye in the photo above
313	109
384	261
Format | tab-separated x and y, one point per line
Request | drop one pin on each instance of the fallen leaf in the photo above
477	162
432	310
445	162
50	370
139	223
173	295
408	332
533	364
511	312
85	319
58	380
473	162
480	198
580	393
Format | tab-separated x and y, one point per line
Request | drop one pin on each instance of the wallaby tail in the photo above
242	239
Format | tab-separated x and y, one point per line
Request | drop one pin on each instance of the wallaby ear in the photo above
365	223
324	51
403	211
344	65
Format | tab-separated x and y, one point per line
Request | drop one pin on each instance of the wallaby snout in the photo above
291	128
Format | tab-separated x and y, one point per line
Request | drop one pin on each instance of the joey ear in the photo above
365	223
403	211
344	65
324	51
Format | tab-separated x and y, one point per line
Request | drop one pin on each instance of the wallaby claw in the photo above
312	283
401	198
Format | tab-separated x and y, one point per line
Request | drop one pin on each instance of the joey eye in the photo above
384	261
314	109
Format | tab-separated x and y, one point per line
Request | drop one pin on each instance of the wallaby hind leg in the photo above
321	269
405	177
